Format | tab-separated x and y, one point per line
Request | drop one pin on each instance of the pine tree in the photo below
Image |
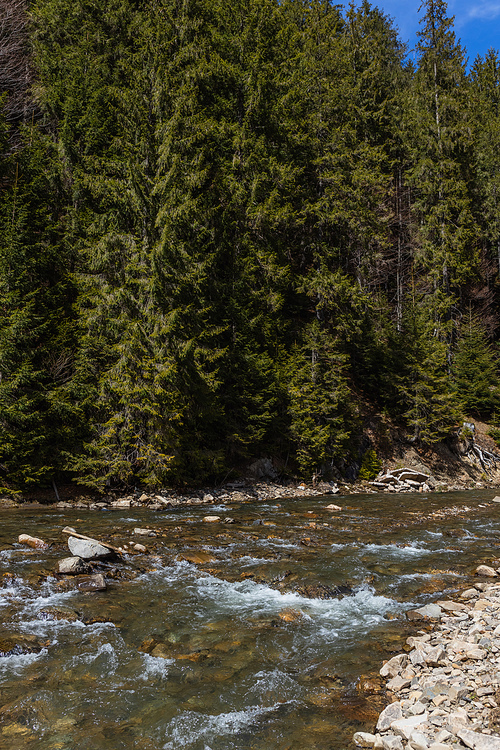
475	370
38	417
441	143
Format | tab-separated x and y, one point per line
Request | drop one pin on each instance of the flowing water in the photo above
248	650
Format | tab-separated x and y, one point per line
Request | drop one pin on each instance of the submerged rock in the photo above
14	644
96	582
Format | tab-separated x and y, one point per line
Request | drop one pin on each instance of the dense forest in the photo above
228	229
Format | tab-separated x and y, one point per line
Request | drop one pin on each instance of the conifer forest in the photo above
231	228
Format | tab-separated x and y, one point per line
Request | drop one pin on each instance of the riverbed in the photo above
264	630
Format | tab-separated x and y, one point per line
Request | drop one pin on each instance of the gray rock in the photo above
391	742
89	549
417	656
478	741
394	666
391	713
398	683
143	532
72	566
405	727
418	741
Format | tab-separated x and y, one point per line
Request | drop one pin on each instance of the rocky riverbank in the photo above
446	687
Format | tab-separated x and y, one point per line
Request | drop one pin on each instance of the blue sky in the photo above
477	22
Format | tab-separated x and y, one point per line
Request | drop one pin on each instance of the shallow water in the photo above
252	656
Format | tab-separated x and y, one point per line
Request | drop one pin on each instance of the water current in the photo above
222	637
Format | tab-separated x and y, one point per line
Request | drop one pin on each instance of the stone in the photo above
144	498
496	499
394	666
122	503
13	644
96	582
429	611
392	742
457	692
417	656
364	739
405	727
143	532
452	606
478	741
435	655
32	541
197	558
89	549
72	566
391	713
211	519
59	613
398	683
485	570
439	746
140	548
332	506
418	741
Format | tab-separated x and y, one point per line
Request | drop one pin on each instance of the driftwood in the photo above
486	458
71	532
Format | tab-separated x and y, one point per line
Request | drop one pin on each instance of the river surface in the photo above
249	653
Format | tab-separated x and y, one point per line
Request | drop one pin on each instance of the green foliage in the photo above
370	465
475	371
233	226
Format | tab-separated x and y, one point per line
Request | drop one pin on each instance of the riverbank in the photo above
446	688
444	467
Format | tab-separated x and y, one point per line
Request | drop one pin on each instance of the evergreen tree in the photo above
441	143
38	417
475	371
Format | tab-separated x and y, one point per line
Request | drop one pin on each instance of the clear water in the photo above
252	656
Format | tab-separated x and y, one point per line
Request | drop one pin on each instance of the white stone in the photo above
211	519
405	727
333	507
418	741
478	741
391	742
122	503
364	739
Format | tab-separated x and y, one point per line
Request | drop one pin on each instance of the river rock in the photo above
211	519
89	549
72	566
405	727
394	666
485	570
478	741
418	741
364	739
59	613
391	713
32	541
96	582
12	644
332	506
143	532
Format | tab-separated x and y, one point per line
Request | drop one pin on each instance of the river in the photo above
248	652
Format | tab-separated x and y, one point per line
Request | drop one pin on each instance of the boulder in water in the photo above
32	541
89	549
72	566
14	644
